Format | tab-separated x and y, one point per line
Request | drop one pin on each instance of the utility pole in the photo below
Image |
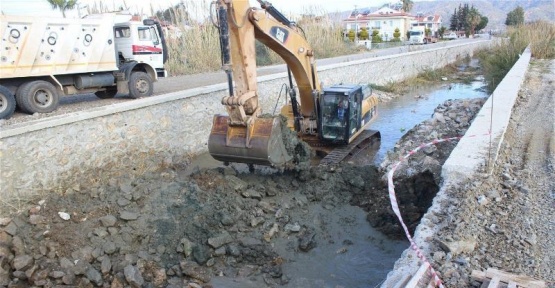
356	25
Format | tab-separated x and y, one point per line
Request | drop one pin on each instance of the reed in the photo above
498	60
195	48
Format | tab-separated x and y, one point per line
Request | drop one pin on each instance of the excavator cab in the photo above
341	111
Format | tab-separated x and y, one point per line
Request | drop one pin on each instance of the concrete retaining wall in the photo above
86	148
465	161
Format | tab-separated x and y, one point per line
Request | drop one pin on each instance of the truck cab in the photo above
141	42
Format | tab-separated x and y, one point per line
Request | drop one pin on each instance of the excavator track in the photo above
341	153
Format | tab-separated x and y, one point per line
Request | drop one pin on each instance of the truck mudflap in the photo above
262	143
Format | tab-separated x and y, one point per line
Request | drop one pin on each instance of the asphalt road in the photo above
82	102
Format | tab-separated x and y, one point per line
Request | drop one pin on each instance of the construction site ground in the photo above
225	227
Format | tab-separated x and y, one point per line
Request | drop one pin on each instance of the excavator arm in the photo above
242	135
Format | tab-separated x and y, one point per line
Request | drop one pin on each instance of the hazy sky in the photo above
42	8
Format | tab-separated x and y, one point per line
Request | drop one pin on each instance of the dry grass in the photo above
498	60
197	49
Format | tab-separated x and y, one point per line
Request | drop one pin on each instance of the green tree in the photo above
376	38
351	35
454	25
515	17
483	23
473	19
427	31
441	31
407	5
363	35
63	5
397	35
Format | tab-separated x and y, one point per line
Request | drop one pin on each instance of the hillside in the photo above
495	10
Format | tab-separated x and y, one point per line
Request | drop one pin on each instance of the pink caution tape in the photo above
395	205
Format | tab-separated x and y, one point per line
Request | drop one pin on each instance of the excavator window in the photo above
335	117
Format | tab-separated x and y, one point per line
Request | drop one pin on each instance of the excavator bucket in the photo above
264	145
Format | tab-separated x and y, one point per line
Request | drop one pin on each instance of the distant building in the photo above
385	20
389	17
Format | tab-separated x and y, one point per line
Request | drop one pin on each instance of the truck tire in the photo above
106	94
140	85
37	97
7	103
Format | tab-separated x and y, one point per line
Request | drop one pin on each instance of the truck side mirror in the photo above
149	22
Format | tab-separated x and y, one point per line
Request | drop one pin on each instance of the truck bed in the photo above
35	46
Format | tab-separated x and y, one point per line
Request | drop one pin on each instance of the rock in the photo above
11	228
226	219
257	220
18	246
292	227
306	241
268	236
36	219
233	250
64	215
266	207
66	263
185	246
194	271
5	255
68	279
4	277
220	251
109	247
105	265
23	262
201	254
57	274
5	221
356	181
159	277
126	215
457	247
122	202
438	117
439	256
482	200
94	276
251	193
236	183
220	240
108	220
133	276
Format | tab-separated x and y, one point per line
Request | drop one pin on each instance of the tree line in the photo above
468	19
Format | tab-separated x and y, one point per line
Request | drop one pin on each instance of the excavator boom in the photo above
243	135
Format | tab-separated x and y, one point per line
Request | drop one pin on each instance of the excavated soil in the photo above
226	227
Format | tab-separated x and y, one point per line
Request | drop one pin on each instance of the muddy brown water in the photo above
353	254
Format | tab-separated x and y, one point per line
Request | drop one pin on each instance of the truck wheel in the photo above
140	85
7	103
37	97
106	94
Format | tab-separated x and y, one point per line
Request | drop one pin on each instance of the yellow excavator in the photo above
332	119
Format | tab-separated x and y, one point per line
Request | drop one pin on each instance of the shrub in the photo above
364	34
376	38
500	58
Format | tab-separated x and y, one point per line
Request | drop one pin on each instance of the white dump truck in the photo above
42	59
417	35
